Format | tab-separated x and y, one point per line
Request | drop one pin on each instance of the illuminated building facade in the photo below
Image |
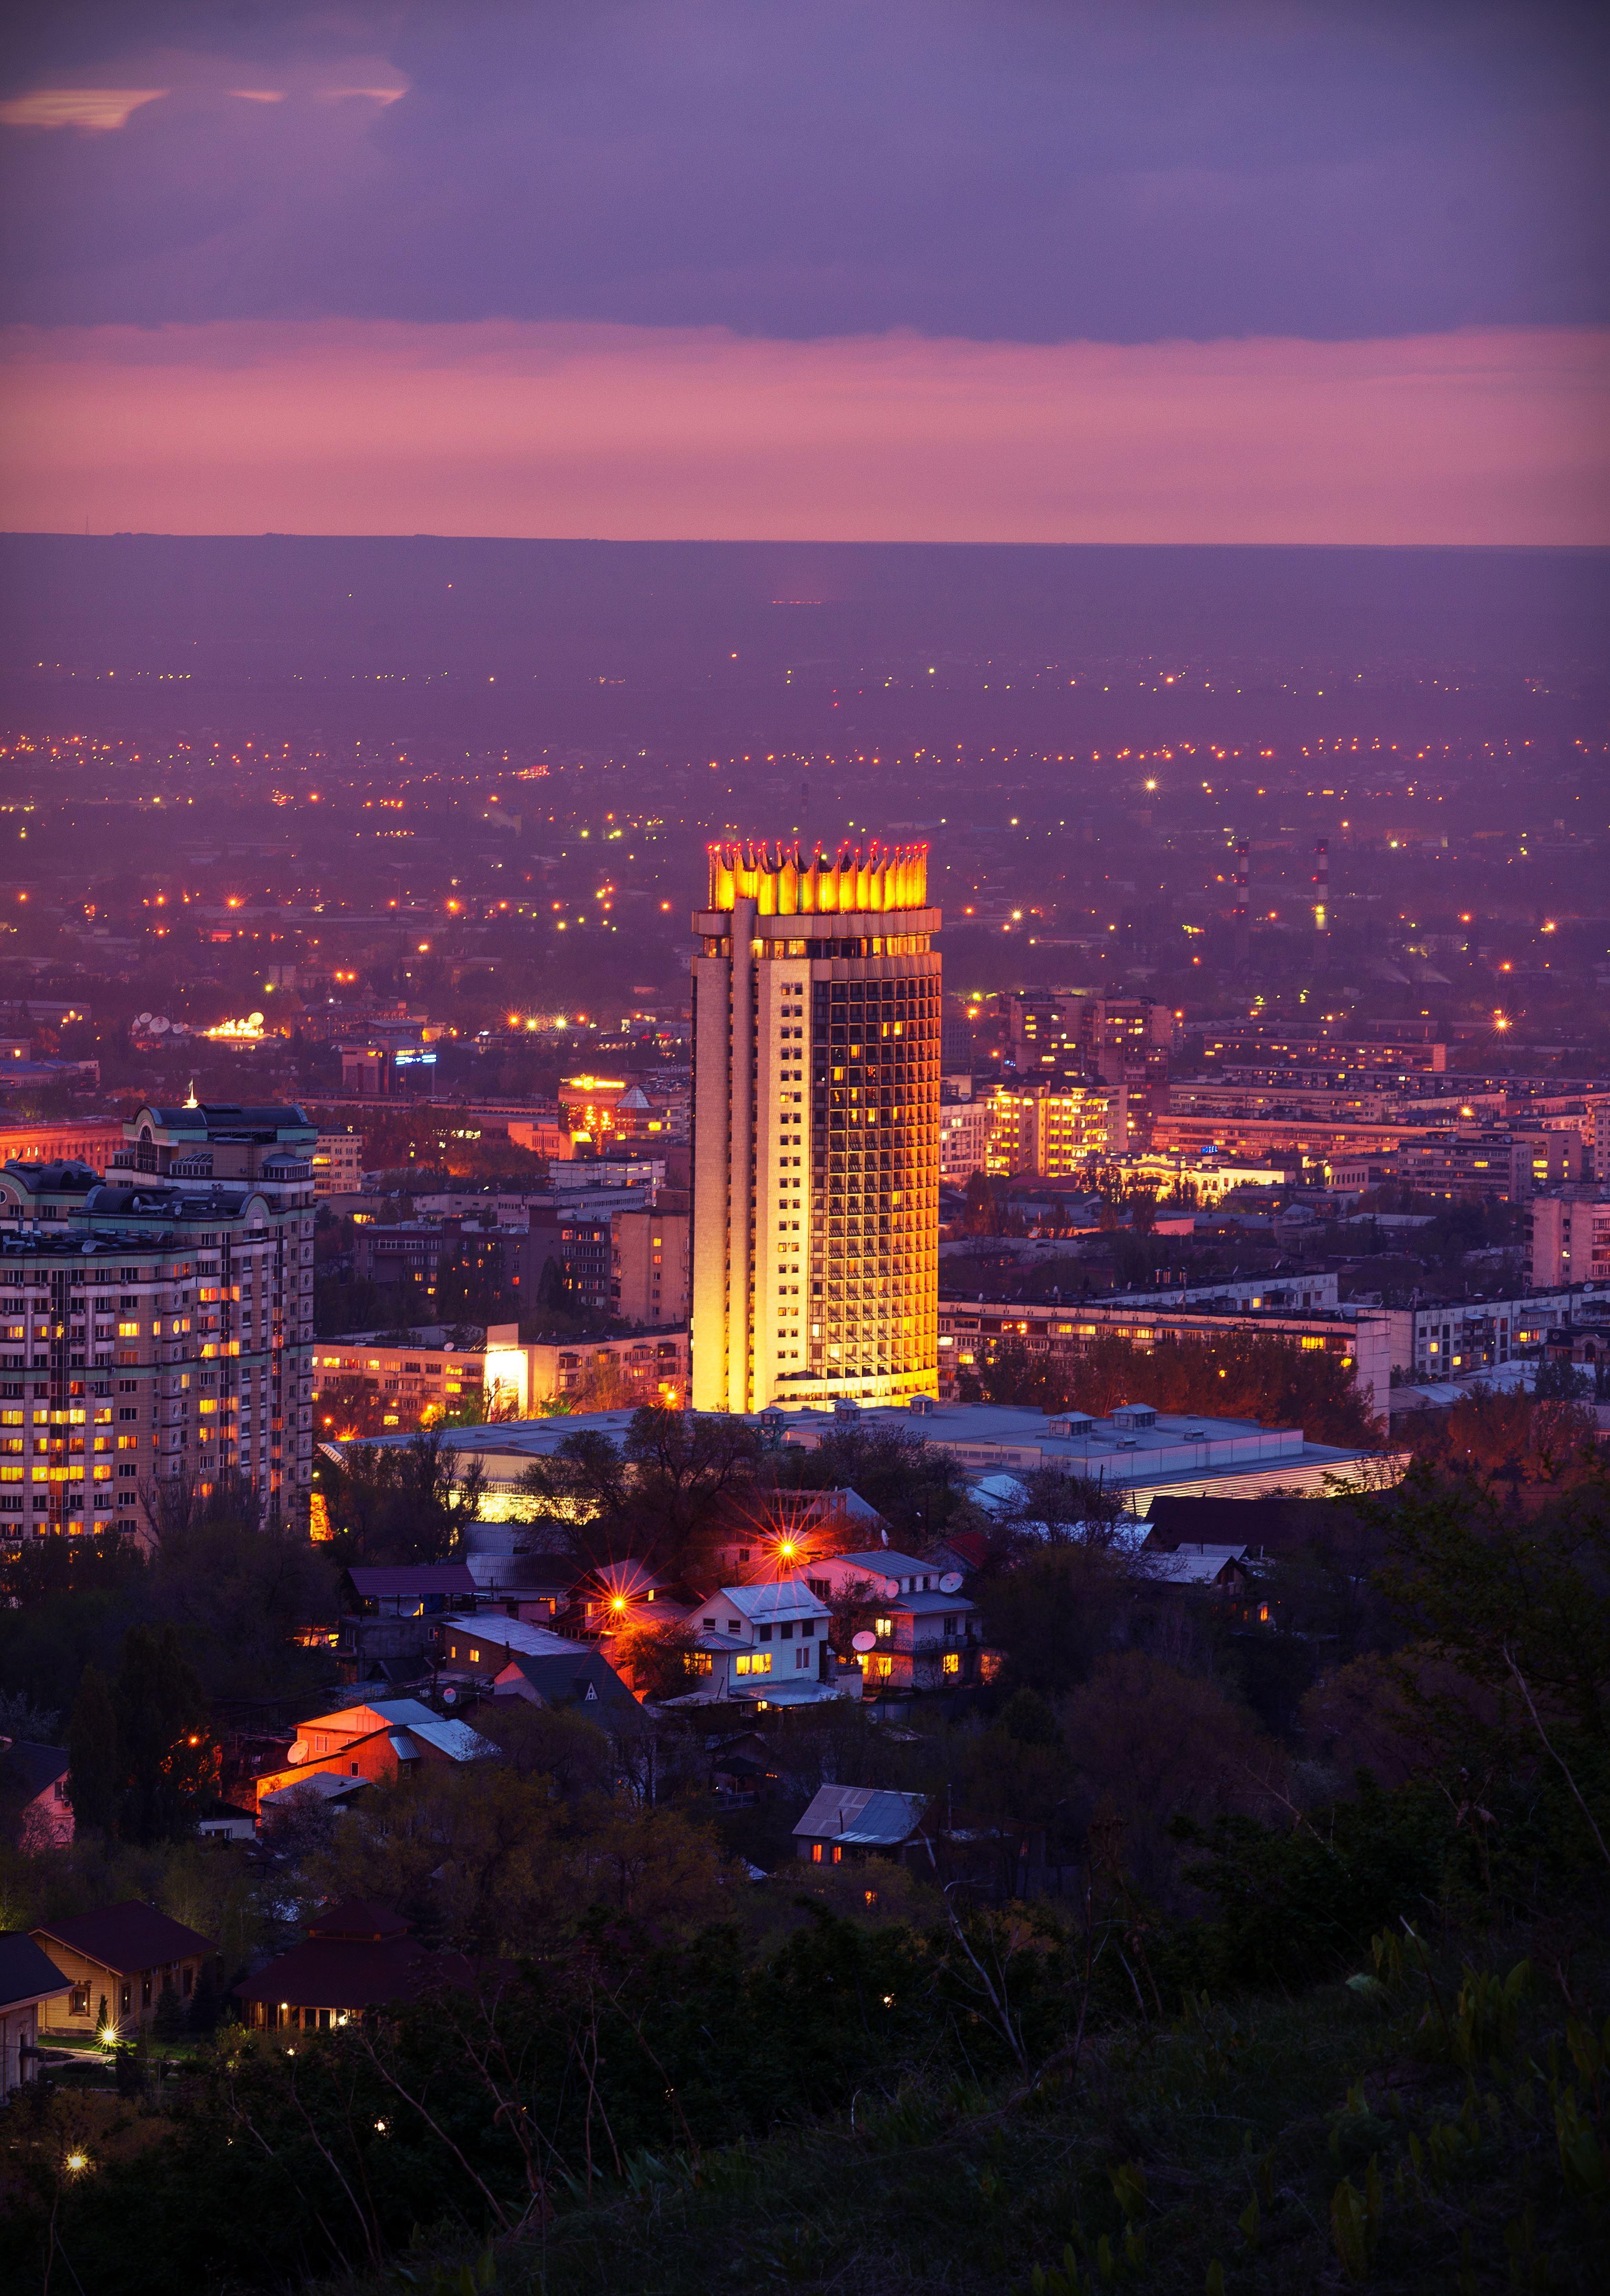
1121	1039
1055	1131
817	1019
156	1326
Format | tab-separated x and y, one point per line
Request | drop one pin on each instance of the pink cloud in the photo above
99	108
1482	436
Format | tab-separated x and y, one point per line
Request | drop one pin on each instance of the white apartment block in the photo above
157	1324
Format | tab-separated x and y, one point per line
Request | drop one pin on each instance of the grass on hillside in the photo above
1426	2130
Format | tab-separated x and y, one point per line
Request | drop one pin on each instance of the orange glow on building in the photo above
816	1081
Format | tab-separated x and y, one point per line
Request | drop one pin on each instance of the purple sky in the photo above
1021	172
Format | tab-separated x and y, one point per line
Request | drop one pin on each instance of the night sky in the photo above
771	268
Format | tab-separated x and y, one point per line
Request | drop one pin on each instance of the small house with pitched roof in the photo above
29	1979
116	1962
357	1956
375	1743
845	1823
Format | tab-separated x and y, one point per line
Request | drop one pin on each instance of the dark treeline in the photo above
657	2052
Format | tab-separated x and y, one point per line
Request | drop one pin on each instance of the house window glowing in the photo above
951	1663
753	1662
883	1629
816	1853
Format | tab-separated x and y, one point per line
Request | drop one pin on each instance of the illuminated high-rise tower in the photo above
816	1128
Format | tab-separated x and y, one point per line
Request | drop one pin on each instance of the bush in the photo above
168	2023
1302	1901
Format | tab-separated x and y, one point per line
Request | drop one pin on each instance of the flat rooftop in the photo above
1137	1454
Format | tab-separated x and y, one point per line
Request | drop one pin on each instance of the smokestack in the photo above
1321	892
1243	909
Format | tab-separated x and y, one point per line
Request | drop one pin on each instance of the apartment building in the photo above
1265	1138
1118	1039
971	1331
425	1378
579	1243
1254	1046
1454	1337
963	1139
1465	1165
337	1164
529	1376
150	1328
409	1257
1054	1129
650	1262
1571	1236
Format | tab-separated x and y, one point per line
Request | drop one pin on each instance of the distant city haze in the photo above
679	650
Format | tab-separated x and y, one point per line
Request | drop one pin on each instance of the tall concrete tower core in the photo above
816	1128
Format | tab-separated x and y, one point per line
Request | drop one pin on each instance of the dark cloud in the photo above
983	167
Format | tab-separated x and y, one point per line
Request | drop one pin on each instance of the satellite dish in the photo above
951	1583
299	1751
159	1024
892	1587
449	1697
142	1019
863	1641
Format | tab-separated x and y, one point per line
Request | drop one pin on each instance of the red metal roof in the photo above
125	1939
353	1973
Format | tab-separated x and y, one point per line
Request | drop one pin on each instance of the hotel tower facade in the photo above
816	1128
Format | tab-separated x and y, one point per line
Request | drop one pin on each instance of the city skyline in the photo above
804	1146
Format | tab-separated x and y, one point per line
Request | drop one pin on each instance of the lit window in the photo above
754	1662
952	1662
883	1628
